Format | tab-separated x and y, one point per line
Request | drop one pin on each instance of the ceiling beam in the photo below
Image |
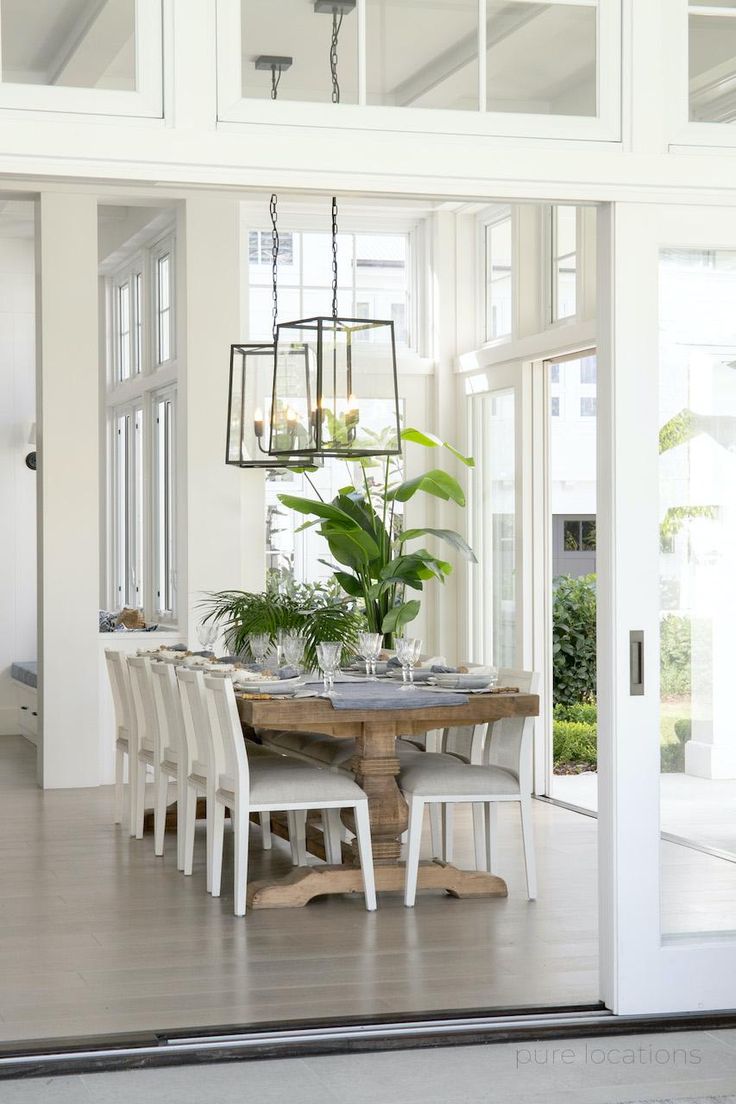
98	36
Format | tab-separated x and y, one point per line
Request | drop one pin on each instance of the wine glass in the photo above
328	657
207	635
259	643
408	650
293	648
370	648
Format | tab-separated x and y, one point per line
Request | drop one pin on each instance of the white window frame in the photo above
551	259
145	102
606	126
148	384
488	227
164	537
682	131
129	577
164	247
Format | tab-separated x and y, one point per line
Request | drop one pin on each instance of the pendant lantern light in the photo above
319	369
252	369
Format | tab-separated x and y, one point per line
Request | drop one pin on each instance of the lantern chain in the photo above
336	25
274	262
334	257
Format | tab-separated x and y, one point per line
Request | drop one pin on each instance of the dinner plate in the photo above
272	686
421	674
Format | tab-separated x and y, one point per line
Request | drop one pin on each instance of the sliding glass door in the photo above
667	556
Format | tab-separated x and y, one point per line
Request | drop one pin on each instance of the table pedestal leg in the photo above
376	768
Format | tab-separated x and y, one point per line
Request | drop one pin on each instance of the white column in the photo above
218	555
68	499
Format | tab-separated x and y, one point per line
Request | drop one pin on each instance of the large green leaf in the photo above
435	482
419	437
349	584
347	551
358	536
399	616
316	507
448	535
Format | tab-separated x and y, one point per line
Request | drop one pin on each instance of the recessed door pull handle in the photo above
636	662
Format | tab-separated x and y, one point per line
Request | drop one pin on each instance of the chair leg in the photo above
332	836
161	793
218	838
181	817
297	822
241	825
189	815
140	798
479	838
365	851
448	826
132	794
491	834
119	788
265	821
527	833
416	816
435	827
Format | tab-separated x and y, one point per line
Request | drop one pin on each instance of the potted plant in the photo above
377	559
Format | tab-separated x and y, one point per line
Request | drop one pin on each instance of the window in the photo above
563	238
712	60
128	429
555	406
163	295
588	370
588	406
373	273
498	279
142	418
578	535
101	57
164	451
545	60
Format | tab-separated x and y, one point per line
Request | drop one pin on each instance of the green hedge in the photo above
575	744
573	639
582	712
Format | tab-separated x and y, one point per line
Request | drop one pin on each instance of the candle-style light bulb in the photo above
258	422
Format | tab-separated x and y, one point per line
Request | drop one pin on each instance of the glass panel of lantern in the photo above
249	405
320	410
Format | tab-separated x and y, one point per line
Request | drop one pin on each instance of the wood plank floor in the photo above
99	935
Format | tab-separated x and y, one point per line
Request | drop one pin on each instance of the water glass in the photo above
259	643
207	635
293	647
370	645
328	656
408	650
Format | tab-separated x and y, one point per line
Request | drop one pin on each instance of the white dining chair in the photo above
196	773
268	784
494	766
152	752
174	749
126	734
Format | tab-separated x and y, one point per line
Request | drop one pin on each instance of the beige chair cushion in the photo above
276	779
431	775
328	750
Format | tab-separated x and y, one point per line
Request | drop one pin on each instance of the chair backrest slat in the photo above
168	707
145	710
227	733
117	670
511	739
197	735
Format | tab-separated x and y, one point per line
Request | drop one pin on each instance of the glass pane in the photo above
293	29
124	331
139	509
697	542
422	54
541	58
69	43
163	295
498	274
712	49
121	510
572	521
138	309
564	262
317	259
501	460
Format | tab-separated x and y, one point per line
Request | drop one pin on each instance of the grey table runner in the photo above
387	695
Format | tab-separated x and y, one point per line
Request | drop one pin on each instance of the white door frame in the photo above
641	972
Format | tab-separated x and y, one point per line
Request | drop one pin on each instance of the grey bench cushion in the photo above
25	671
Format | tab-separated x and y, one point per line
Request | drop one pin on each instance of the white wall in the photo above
17	482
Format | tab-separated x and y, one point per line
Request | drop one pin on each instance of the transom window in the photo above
564	262
712	60
499	288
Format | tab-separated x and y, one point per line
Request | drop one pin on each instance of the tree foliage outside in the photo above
574	640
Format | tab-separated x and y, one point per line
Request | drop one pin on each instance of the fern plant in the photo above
311	611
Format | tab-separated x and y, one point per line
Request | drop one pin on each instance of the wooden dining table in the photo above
376	769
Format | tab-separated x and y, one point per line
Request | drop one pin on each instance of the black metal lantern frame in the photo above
248	415
340	352
337	421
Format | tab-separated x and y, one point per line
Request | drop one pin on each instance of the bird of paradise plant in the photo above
377	561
